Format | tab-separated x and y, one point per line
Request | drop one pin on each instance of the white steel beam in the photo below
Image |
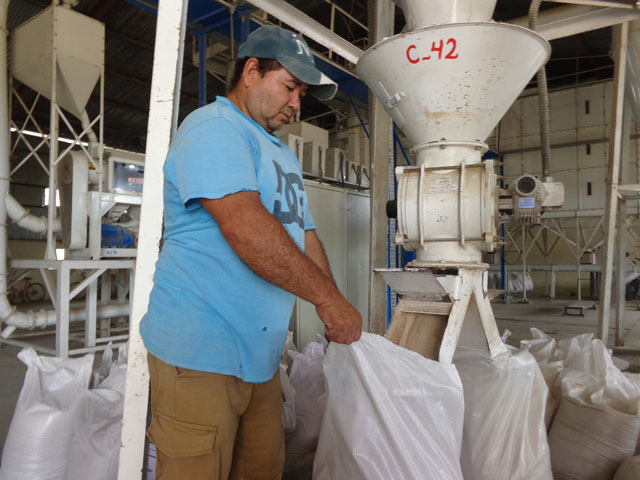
601	3
310	28
615	153
164	82
382	12
571	20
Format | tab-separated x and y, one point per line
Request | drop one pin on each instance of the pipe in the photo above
543	102
309	27
93	139
24	219
45	318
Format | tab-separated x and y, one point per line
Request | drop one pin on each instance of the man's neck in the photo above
237	97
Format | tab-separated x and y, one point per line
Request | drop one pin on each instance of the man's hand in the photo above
342	322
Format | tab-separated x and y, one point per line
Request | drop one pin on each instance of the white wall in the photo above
342	218
579	153
580	120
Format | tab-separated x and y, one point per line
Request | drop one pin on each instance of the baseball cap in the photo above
293	53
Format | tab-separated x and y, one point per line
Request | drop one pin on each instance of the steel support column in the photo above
381	17
615	151
162	116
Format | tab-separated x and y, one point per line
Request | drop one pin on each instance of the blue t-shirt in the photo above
208	311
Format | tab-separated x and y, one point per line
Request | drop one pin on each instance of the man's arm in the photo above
315	251
262	243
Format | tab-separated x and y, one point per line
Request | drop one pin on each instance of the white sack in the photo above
95	447
515	283
550	361
590	443
307	379
104	367
288	407
504	431
590	376
629	470
37	444
288	346
597	425
391	414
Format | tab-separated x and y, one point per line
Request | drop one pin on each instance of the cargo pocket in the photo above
180	439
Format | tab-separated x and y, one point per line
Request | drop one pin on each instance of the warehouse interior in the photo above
475	184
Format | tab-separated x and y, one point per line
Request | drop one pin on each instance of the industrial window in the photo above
588	149
45	200
589	188
586	106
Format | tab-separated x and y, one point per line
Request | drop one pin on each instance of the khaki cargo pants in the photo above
212	426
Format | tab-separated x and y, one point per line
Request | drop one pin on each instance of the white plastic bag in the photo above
307	379
590	443
95	446
288	407
391	414
41	430
597	425
550	361
504	431
629	470
104	367
288	346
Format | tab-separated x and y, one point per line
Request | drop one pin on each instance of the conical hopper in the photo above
76	41
452	82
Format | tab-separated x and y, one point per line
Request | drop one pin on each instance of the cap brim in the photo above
319	85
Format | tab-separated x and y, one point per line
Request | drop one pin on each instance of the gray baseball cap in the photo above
293	53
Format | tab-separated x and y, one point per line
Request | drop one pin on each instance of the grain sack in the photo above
590	443
504	431
390	414
629	470
41	430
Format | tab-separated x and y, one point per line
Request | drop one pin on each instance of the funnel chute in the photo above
452	82
77	44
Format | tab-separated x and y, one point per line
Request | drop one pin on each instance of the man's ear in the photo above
251	72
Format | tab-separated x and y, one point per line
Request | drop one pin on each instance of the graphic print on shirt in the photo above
291	185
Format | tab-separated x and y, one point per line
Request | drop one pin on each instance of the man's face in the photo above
273	99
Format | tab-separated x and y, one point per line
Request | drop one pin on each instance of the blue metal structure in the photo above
203	16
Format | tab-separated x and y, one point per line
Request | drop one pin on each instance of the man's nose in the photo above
295	100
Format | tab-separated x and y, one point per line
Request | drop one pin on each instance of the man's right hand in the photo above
342	322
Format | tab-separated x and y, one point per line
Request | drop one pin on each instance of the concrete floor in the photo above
540	313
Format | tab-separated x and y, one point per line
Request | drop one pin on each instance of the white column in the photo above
380	127
615	149
163	88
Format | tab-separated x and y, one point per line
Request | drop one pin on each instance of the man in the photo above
239	245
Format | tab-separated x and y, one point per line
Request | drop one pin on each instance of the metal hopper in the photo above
446	82
73	42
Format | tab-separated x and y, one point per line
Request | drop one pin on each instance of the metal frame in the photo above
60	293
